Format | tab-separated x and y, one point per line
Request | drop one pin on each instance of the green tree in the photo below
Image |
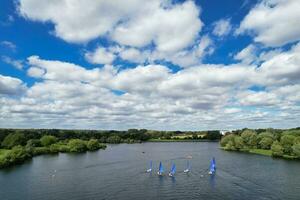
47	140
249	138
33	143
226	139
93	144
77	145
277	149
265	143
238	142
115	139
13	139
296	150
287	142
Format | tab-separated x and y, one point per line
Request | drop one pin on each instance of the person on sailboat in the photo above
173	170
212	167
187	170
160	169
150	169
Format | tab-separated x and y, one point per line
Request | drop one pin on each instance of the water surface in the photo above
119	173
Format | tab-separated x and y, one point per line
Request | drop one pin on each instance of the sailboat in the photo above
160	169
212	167
173	170
187	170
150	169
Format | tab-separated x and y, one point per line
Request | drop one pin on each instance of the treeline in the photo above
281	143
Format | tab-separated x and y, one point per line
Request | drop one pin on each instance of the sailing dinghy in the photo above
173	170
212	167
150	169
187	170
160	169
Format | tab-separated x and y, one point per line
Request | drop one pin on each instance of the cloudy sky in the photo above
159	64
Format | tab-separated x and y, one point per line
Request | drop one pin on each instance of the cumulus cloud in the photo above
100	56
247	55
222	27
15	63
70	95
273	22
11	86
170	27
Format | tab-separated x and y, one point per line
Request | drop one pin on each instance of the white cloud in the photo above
222	27
171	29
247	55
136	23
9	44
274	22
100	56
15	63
11	86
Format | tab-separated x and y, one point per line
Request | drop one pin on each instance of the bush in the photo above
277	149
13	139
296	150
266	142
77	145
93	145
249	138
287	142
47	140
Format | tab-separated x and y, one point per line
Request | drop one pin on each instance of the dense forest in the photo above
274	142
18	145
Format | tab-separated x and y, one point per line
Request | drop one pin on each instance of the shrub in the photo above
13	139
47	140
77	145
277	149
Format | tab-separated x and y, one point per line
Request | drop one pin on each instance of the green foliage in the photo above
33	143
296	150
113	139
277	149
47	140
93	145
249	138
17	155
287	142
77	145
13	139
226	139
238	142
266	142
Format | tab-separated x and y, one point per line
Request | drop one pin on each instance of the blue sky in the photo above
170	65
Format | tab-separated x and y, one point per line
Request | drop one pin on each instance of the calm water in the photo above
119	173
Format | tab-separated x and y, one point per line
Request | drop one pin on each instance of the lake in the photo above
119	173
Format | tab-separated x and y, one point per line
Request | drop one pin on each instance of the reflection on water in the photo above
119	172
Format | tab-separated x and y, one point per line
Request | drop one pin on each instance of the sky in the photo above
159	64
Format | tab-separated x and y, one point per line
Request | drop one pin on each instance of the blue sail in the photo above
212	167
161	168
173	169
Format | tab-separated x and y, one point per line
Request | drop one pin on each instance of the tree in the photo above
277	149
77	145
113	139
266	142
238	142
47	140
33	143
226	139
296	150
287	142
93	144
250	138
13	139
